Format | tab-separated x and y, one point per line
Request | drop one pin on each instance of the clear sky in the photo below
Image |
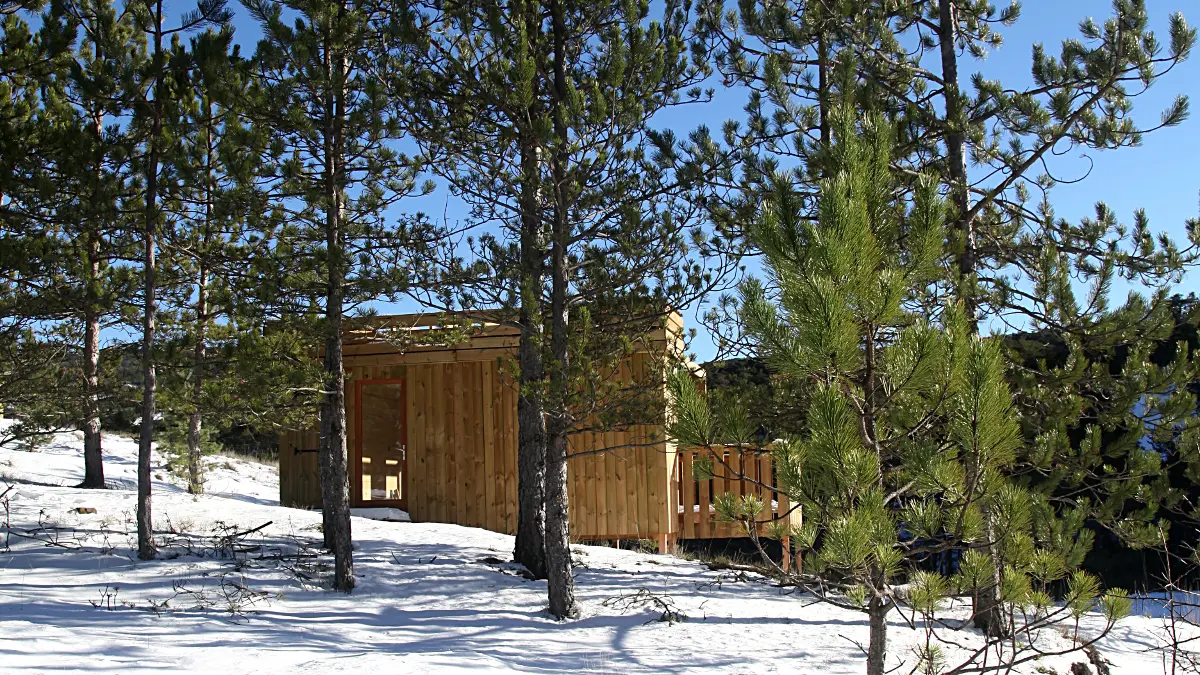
1160	176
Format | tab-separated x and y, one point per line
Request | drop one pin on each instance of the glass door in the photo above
380	462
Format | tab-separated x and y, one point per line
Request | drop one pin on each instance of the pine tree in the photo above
27	64
111	50
909	61
479	107
1080	99
334	171
224	366
154	106
65	202
909	431
215	196
552	142
622	224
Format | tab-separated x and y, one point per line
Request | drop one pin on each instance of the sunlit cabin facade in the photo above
432	430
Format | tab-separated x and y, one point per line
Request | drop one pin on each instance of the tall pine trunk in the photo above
561	584
200	349
335	486
145	521
93	455
199	355
987	613
823	101
956	151
530	546
335	481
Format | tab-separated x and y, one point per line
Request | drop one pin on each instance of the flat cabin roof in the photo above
435	337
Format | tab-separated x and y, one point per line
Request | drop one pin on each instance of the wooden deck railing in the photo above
737	472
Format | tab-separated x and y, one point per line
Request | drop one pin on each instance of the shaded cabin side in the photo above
433	430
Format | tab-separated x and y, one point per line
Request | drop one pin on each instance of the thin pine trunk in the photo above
93	455
200	349
145	532
987	611
335	481
199	356
877	639
335	487
823	87
530	546
561	584
145	521
956	151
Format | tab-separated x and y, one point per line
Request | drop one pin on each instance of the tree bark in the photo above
823	88
199	355
561	583
335	481
200	349
145	521
93	455
877	612
335	487
530	546
987	609
956	154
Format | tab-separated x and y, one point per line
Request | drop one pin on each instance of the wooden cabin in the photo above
432	430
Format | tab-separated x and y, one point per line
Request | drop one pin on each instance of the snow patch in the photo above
431	598
382	513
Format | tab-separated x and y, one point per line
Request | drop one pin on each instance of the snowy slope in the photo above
432	598
60	463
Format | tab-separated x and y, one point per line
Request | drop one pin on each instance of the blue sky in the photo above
1160	176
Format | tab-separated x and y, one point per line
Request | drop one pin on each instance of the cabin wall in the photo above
299	476
462	452
619	482
462	445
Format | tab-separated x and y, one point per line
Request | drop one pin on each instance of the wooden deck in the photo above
736	472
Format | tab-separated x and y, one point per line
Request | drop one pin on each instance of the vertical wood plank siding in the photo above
460	409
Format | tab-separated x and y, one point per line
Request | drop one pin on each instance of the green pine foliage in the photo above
37	387
333	169
262	199
910	432
181	454
588	219
65	222
220	368
1086	389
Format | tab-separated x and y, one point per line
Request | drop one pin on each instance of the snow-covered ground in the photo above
431	599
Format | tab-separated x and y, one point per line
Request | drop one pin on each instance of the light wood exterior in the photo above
740	472
459	416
